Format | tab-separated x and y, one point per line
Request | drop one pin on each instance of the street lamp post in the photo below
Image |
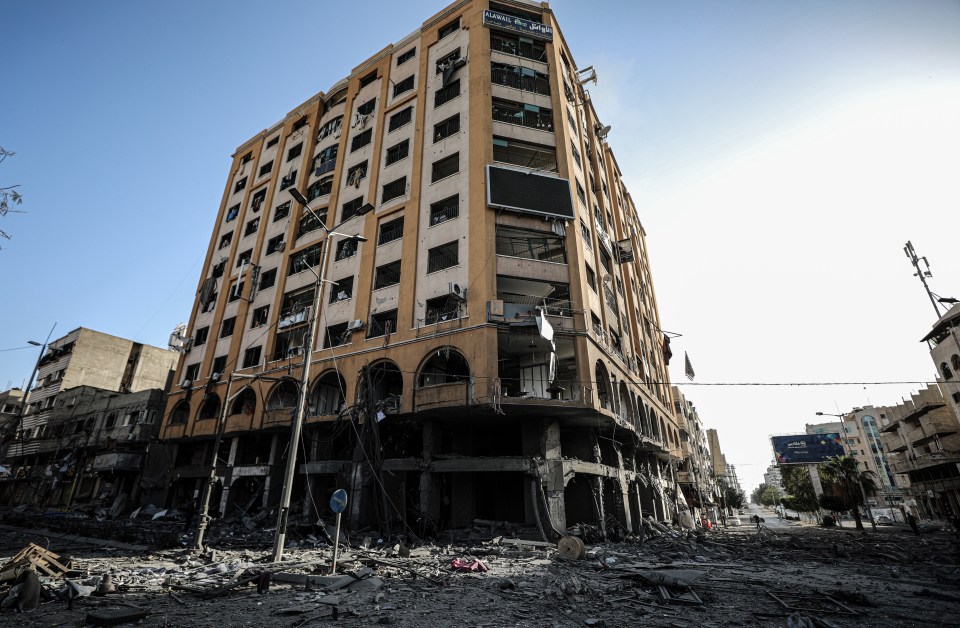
297	426
18	422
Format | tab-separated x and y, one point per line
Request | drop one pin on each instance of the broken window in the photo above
295	152
311	221
390	231
226	328
284	395
225	240
446	167
219	365
251	357
525	154
351	208
441	309
336	335
326	160
281	212
200	337
518	45
400	118
397	152
288	180
394	189
387	275
529	244
361	140
327	395
368	107
341	290
210	408
345	249
265	169
273	141
522	114
180	414
244	258
517	77
330	128
241	184
382	324
268	279
441	257
446	128
357	174
260	316
444	367
444	210
302	260
368	79
406	56
246	401
320	188
449	29
252	227
275	244
232	213
403	86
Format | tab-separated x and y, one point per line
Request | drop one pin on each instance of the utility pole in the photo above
922	274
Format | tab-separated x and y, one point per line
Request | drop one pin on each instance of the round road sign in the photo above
338	501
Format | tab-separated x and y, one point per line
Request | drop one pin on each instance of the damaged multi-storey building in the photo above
487	343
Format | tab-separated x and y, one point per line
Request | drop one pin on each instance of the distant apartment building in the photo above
773	477
83	362
488	315
694	475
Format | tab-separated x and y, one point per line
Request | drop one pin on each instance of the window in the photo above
281	212
268	278
400	118
525	154
326	160
441	309
273	141
445	129
443	257
345	249
387	275
444	210
251	357
226	240
398	151
219	365
252	227
320	188
361	140
331	127
448	166
299	124
597	325
518	45
351	208
241	184
265	168
232	213
236	291
336	335
342	290
591	278
258	197
368	79
368	107
403	86
275	244
310	221
200	337
390	231
357	174
295	152
576	155
307	258
585	232
581	194
244	258
446	94
226	328
394	189
382	324
449	29
531	244
406	56
288	180
260	316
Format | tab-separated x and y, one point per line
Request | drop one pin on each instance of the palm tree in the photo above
845	473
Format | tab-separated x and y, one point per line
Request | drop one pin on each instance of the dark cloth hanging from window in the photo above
206	291
667	353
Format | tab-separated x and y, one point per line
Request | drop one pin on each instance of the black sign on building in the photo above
517	24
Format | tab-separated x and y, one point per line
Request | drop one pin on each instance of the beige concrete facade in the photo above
433	320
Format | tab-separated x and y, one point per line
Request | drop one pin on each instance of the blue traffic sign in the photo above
338	501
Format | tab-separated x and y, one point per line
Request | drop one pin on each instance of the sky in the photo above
780	155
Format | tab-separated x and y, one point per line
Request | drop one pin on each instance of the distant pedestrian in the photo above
913	523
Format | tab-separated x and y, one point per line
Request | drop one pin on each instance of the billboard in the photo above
806	448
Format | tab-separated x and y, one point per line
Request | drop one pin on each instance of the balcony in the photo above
543	248
524	79
530	116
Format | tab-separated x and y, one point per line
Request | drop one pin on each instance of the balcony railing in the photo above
391	232
325	167
444	213
543	249
520	115
516	80
440	259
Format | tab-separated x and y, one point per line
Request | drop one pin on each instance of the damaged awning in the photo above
117	461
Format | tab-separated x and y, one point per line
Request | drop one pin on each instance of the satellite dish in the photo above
603	132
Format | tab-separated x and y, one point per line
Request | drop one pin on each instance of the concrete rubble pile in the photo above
494	574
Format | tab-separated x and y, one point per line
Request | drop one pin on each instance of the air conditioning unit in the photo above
355	325
186	383
457	291
215	377
293	352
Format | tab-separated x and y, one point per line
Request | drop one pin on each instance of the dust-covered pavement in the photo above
734	576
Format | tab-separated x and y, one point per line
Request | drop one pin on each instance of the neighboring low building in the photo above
10	403
76	370
922	436
773	477
694	475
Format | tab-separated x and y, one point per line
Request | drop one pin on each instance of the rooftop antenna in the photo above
922	274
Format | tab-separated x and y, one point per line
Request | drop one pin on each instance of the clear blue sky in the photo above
781	153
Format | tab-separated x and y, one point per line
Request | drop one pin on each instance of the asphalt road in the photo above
769	516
